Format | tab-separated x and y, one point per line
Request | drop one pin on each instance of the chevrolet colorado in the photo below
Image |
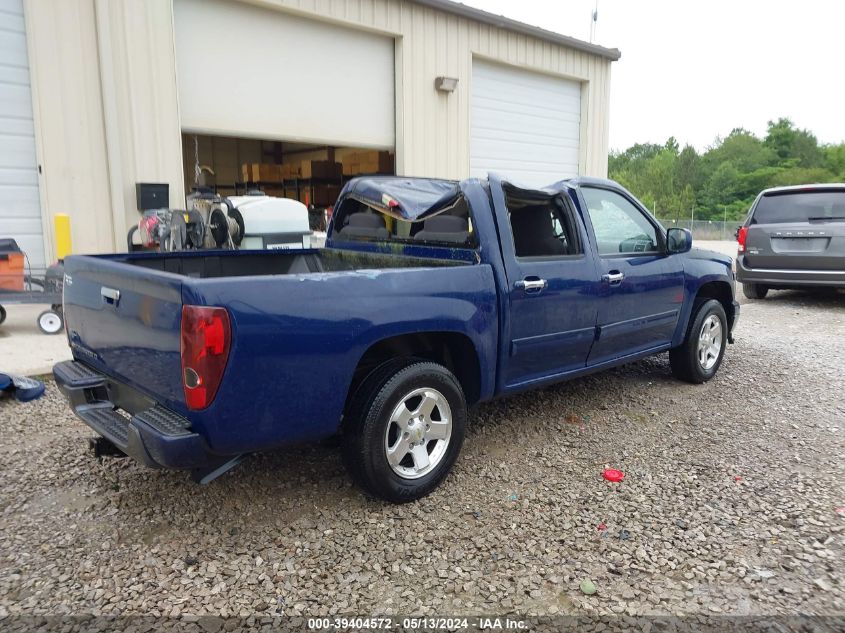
430	296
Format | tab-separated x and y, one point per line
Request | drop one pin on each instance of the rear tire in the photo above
404	430
755	291
2	314
698	359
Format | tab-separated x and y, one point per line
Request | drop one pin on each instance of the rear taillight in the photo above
206	337
741	235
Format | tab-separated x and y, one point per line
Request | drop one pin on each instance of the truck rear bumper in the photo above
154	435
789	278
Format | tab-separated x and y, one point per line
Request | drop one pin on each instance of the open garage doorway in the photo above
264	109
312	174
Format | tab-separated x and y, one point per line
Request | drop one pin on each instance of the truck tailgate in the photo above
124	321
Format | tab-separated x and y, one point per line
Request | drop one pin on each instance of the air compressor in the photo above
211	221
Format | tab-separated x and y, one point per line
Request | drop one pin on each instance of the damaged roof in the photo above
408	199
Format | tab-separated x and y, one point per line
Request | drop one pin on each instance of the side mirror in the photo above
678	241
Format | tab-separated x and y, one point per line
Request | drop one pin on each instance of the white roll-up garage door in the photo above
254	72
524	125
20	208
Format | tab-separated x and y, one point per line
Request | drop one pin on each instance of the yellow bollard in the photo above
64	247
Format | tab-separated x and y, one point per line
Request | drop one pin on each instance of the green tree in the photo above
801	176
725	179
834	161
794	147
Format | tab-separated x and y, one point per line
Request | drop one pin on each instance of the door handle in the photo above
110	295
613	278
531	284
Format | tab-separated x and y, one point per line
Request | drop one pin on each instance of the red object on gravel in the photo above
611	474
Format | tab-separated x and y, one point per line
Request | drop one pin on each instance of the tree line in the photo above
723	181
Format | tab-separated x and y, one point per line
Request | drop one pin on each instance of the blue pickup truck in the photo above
429	297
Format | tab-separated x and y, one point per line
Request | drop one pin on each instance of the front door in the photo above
642	287
552	285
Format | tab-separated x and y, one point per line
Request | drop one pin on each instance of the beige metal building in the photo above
98	95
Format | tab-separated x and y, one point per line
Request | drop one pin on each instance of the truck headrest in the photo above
365	225
444	228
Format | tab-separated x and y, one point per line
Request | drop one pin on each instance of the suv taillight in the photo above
741	235
206	338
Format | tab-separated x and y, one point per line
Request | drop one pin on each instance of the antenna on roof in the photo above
594	18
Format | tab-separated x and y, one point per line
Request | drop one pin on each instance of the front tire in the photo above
698	359
404	430
755	291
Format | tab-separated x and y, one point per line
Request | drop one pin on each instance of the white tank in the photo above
273	222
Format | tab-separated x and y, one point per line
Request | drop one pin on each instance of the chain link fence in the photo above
706	229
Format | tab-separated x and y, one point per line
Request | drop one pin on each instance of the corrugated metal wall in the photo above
105	88
104	91
138	84
20	208
65	76
433	128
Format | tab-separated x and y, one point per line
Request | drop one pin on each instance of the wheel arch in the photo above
718	288
453	350
722	292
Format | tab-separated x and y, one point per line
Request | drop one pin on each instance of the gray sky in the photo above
697	69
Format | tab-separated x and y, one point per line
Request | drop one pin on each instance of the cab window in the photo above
620	227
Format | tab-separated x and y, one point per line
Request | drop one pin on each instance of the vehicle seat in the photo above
365	225
534	234
444	228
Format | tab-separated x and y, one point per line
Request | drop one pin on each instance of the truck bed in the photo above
300	322
203	264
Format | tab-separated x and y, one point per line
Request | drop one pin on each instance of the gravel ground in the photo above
732	504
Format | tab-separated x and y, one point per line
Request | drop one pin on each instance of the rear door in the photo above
642	288
125	321
551	320
797	230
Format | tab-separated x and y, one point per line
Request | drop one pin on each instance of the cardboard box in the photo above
265	172
368	162
246	172
376	162
305	195
325	195
321	169
291	171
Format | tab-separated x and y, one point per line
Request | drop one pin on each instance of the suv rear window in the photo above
803	206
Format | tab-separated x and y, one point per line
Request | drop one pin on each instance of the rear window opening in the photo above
823	205
355	220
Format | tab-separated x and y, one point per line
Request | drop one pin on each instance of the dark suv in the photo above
793	237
